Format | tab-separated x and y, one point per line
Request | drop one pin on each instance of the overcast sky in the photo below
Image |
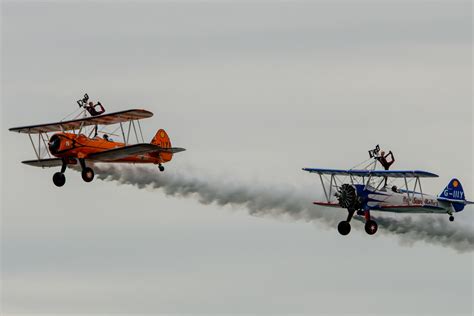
255	92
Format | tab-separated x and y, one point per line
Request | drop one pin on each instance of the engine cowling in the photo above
59	143
54	144
347	197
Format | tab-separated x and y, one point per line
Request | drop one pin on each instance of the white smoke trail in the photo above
278	200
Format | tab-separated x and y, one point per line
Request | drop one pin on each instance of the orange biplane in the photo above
78	141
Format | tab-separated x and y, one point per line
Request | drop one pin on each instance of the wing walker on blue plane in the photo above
363	190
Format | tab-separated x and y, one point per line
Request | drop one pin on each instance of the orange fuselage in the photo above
69	145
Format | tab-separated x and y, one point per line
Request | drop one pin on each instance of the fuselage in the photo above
69	145
400	201
387	199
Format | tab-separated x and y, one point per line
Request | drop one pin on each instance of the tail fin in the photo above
454	193
162	139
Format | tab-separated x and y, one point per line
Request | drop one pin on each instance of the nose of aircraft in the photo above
54	143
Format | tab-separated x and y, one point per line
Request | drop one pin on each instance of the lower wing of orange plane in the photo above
113	155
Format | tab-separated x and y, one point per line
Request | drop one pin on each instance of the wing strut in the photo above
324	187
330	186
140	129
39	152
123	134
368	181
408	191
421	190
129	129
45	145
34	148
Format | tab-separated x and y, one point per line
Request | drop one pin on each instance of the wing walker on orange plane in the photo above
82	140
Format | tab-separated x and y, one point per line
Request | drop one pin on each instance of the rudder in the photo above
454	192
162	139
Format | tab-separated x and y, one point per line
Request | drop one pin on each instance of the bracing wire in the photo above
72	113
362	163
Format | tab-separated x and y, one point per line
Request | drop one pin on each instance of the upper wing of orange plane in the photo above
106	119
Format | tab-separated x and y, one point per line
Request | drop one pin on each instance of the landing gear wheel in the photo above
59	179
87	174
161	168
344	228
371	227
451	218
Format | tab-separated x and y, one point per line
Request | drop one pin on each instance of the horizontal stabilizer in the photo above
454	201
172	150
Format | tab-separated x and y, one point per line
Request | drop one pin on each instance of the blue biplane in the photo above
361	191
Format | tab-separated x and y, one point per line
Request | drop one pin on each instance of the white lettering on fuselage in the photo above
419	201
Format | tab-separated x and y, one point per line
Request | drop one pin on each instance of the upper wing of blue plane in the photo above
374	173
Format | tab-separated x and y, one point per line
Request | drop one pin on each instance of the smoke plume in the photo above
284	200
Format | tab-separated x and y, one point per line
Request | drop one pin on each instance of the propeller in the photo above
347	196
54	143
